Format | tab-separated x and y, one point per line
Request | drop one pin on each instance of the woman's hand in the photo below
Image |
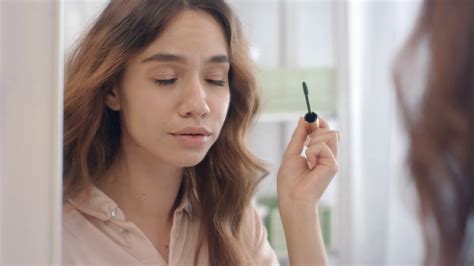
302	181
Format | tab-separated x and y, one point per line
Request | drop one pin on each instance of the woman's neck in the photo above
143	189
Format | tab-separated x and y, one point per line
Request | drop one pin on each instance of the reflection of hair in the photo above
225	179
441	154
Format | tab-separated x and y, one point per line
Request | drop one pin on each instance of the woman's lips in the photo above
192	140
193	137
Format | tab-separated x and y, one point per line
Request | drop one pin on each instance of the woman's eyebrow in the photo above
219	59
165	58
160	57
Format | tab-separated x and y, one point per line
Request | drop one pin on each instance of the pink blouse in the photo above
96	232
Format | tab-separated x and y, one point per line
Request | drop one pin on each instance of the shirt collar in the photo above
101	206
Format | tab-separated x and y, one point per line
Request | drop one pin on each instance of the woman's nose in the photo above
194	100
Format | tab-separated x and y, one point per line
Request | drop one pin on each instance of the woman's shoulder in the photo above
74	235
251	220
86	242
255	234
71	218
76	226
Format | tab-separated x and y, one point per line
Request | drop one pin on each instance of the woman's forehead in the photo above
191	34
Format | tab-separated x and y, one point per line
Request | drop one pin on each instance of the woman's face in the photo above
174	95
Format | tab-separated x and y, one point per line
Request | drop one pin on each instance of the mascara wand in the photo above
310	117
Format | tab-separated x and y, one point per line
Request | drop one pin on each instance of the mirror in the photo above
344	51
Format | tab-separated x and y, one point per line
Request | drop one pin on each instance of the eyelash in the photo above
166	82
216	82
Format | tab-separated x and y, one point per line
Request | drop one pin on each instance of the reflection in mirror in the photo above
157	105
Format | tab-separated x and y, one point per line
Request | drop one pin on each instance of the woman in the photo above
441	128
159	97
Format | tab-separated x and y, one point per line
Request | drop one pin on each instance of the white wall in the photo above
1	130
30	132
78	17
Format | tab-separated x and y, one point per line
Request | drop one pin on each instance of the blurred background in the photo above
343	49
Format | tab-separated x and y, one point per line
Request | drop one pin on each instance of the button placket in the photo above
125	233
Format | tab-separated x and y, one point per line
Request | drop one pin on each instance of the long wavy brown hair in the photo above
441	128
226	178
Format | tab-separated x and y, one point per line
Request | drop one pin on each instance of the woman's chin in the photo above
190	161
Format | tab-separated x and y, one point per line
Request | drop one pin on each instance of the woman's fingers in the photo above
319	155
297	141
326	130
309	134
331	138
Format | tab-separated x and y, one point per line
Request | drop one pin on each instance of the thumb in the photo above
296	144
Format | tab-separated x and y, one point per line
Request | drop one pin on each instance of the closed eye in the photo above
216	82
165	82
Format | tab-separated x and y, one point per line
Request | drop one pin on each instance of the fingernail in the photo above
309	165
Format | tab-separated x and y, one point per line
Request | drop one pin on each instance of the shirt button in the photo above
115	212
125	233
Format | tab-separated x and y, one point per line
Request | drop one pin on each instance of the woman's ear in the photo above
112	98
